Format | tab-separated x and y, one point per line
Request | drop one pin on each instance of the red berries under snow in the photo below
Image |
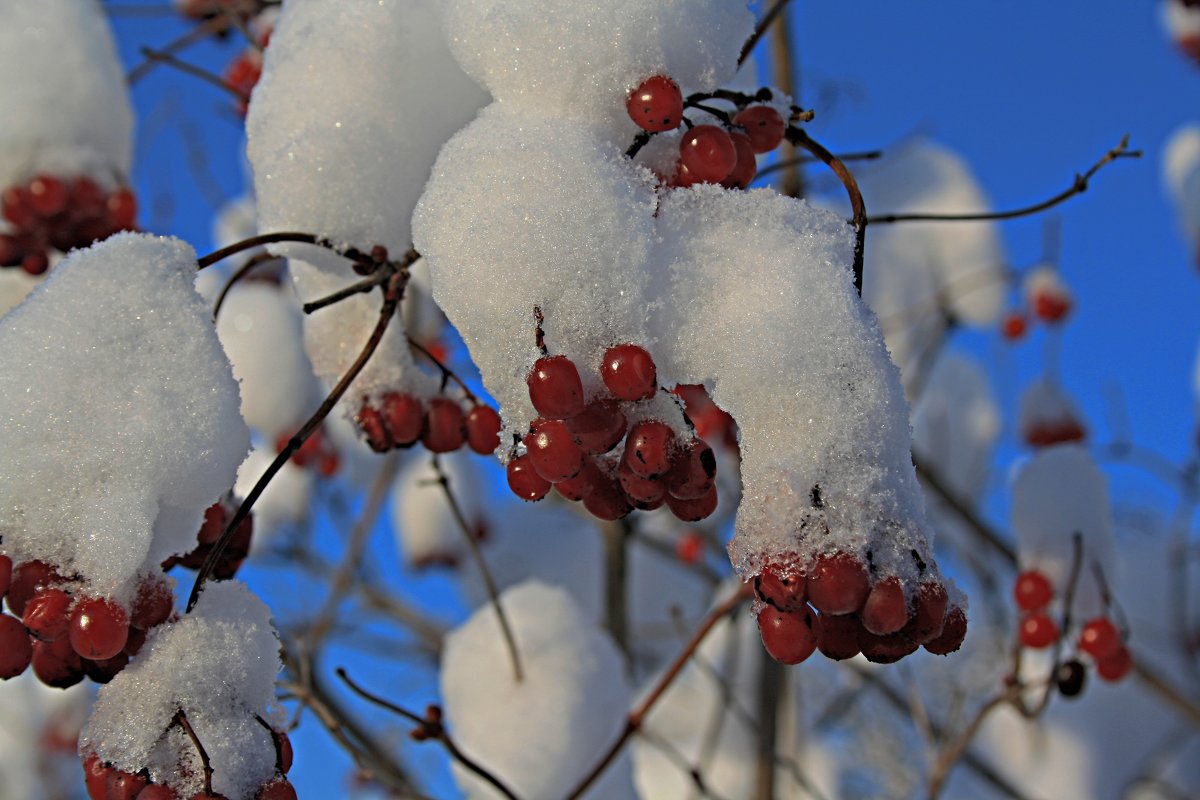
656	104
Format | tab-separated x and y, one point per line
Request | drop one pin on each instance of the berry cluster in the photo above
316	452
66	634
1099	638
723	154
242	75
711	422
1047	300
103	781
216	517
572	445
51	213
399	419
834	606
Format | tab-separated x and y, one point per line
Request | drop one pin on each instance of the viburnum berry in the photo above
656	104
746	166
689	548
789	636
781	587
1038	631
1050	308
372	424
15	647
886	608
928	612
599	427
152	605
15	207
137	638
1013	326
99	628
1099	638
1070	677
1115	666
648	448
47	196
95	777
643	493
838	583
403	417
840	636
122	209
554	387
1032	591
696	509
48	614
629	372
607	501
283	752
524	480
444	430
764	127
708	153
123	785
886	649
954	631
27	579
278	789
693	472
581	484
56	663
552	450
6	569
35	263
483	430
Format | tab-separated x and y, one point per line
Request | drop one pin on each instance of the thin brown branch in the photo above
430	727
638	715
447	373
391	299
481	564
616	567
195	71
957	749
181	720
201	32
784	163
761	28
1078	186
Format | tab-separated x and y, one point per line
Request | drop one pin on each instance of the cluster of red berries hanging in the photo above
243	73
572	446
216	517
103	781
723	154
399	419
317	453
1047	300
52	213
66	634
1099	638
835	606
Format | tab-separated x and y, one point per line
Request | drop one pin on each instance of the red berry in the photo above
1115	666
779	587
648	448
581	484
6	569
56	664
35	263
403	417
444	427
47	196
27	578
554	387
137	638
1050	307
278	789
607	501
689	548
105	670
95	777
483	430
1014	326
157	791
216	517
11	252
838	584
693	473
954	631
15	647
694	510
789	636
552	450
48	614
125	785
524	480
99	628
643	493
15	207
1038	631
928	612
1032	591
656	104
372	424
629	373
746	166
283	752
886	609
1099	638
886	649
122	209
153	604
764	127
839	636
87	199
599	427
708	153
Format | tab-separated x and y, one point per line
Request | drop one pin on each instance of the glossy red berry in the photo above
838	584
56	663
694	471
954	631
696	509
840	636
1013	326
581	484
1099	638
95	777
372	424
524	480
607	501
1032	591
554	387
780	587
928	612
15	647
746	166
47	196
789	636
283	752
27	578
643	493
403	417
1038	631
552	450
708	153
153	604
648	448
629	372
656	104
599	427
764	127
886	649
483	430
99	628
1115	666
48	614
445	429
35	263
886	608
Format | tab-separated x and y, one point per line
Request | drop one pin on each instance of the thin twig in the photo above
430	728
783	163
1078	186
447	373
638	715
195	72
181	720
480	564
201	32
760	29
387	312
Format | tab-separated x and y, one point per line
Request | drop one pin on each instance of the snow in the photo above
1181	171
956	423
1045	407
285	501
70	114
1181	21
112	486
542	735
218	665
424	524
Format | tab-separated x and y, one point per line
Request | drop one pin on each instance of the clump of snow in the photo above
285	501
423	519
70	114
423	319
218	665
1058	493
1047	415
112	486
1181	169
1182	20
542	735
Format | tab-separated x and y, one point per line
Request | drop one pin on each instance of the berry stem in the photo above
447	373
283	236
382	274
761	28
195	71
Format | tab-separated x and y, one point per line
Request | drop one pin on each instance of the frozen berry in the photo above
524	480
580	485
125	785
15	647
283	751
48	614
745	168
648	448
643	493
607	501
694	510
656	104
708	153
156	791
372	424
764	127
444	430
599	427
554	387
95	777
629	373
838	584
56	663
27	578
1032	591
153	604
278	789
483	430
403	416
928	612
552	450
886	609
781	587
99	628
693	472
6	568
954	631
840	636
789	636
886	649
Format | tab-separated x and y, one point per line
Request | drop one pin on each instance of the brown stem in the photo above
202	31
387	312
382	273
638	715
1078	186
285	236
181	720
760	29
194	71
616	567
784	163
447	373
